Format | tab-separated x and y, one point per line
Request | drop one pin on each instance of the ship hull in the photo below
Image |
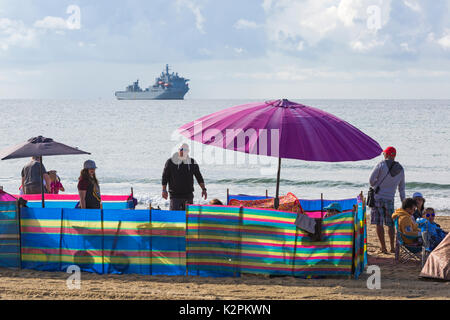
151	95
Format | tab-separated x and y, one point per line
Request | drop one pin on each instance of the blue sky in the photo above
229	49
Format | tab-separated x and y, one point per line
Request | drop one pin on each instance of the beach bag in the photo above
371	198
372	192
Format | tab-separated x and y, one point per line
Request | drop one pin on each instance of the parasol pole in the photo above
42	181
277	194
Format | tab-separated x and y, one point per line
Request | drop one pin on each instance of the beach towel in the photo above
288	203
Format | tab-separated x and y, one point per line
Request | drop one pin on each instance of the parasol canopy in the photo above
283	129
39	147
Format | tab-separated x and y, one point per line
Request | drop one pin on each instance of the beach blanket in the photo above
288	203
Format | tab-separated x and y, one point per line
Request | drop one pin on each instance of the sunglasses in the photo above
430	215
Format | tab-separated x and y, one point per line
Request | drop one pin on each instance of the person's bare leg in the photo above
380	234
392	238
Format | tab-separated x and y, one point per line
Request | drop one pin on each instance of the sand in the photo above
397	282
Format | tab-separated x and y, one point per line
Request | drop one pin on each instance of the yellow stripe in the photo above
98	259
274	253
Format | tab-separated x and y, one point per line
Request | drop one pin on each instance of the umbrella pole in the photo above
277	194
42	182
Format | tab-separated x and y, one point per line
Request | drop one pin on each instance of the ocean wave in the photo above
326	183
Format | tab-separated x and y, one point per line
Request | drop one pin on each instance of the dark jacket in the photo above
180	177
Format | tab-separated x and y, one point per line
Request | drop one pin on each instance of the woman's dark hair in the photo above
84	175
408	203
423	205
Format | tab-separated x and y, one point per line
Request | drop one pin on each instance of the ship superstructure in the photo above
168	86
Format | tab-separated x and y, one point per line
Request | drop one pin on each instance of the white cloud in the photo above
413	5
196	10
267	5
52	23
245	24
313	21
406	48
15	33
362	46
444	42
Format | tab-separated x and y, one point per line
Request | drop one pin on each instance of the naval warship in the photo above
168	86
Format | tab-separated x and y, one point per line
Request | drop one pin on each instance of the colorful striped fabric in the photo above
233	240
9	235
244	197
104	241
69	201
360	260
314	208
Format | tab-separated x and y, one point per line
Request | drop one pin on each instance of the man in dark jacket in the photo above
179	172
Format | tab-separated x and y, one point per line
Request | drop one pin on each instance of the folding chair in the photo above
407	252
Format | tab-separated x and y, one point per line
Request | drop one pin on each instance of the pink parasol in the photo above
283	129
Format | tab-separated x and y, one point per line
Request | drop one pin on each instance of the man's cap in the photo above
390	151
417	195
334	206
89	164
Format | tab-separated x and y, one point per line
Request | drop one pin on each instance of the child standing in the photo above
55	184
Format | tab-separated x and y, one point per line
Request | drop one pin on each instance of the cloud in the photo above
196	10
413	5
245	24
52	23
313	21
15	33
361	46
444	42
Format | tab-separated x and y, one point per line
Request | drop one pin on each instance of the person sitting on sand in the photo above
427	224
216	202
333	209
407	226
55	184
420	200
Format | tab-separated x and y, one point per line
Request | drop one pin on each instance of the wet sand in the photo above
397	282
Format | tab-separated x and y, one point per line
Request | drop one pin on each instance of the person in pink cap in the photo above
386	178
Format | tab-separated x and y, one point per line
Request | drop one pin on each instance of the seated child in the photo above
55	184
435	233
411	234
333	209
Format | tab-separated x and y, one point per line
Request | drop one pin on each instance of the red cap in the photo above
390	151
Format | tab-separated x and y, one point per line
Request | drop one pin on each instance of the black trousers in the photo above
179	204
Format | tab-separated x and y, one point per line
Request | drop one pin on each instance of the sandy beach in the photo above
397	282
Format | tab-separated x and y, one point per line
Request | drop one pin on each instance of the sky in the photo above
255	49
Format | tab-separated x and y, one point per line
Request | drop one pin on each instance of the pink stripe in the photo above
164	254
267	268
265	255
69	197
338	223
271	244
110	232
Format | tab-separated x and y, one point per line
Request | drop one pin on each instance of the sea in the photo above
130	142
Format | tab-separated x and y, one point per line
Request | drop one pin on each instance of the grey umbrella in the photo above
39	147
